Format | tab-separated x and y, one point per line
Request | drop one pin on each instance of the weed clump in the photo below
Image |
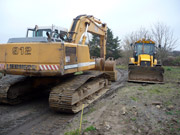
168	69
90	128
74	132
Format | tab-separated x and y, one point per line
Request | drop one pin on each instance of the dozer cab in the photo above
49	57
143	65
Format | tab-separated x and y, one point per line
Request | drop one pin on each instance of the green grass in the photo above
168	103
125	67
90	128
91	110
133	119
134	98
173	112
140	88
78	73
172	74
170	113
161	89
168	69
154	91
85	121
74	132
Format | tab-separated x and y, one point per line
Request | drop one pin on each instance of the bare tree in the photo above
164	38
132	38
135	36
160	33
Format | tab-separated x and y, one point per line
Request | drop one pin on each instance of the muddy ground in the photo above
128	108
34	117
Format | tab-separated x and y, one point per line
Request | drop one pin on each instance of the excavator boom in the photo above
84	23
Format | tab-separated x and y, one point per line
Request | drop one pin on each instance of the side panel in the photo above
84	61
33	58
79	62
22	53
33	53
44	59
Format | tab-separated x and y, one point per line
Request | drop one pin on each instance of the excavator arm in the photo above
83	24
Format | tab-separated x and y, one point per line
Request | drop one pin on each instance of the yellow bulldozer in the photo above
143	66
48	57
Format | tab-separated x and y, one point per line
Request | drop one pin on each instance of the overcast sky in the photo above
122	16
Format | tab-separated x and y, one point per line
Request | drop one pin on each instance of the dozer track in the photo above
77	90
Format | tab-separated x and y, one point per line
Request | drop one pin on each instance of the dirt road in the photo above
35	117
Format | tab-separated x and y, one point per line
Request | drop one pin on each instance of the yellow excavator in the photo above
48	57
143	65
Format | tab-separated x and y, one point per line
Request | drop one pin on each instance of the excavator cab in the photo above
41	34
53	33
143	65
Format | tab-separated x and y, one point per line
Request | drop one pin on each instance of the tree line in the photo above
160	33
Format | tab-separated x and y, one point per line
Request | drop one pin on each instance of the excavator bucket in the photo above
145	74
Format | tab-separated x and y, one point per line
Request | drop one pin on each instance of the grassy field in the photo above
172	74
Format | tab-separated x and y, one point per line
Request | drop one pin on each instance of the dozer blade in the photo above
145	74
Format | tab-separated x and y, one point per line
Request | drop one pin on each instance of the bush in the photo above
172	61
168	69
176	61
